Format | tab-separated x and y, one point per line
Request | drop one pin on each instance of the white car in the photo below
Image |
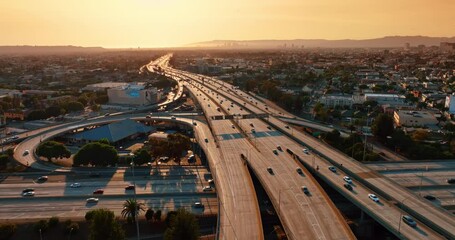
373	197
198	205
306	151
75	185
28	194
207	189
92	200
347	179
210	180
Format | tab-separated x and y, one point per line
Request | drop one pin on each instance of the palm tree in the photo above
132	208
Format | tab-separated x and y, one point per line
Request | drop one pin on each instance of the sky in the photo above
173	23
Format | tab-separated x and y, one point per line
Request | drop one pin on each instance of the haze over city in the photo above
175	23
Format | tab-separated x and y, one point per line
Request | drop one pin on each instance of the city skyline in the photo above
174	23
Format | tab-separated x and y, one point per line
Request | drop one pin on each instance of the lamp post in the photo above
71	230
40	235
135	198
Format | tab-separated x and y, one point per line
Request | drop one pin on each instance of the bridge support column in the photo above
365	227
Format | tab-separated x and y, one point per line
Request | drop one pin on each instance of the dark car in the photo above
348	186
430	197
270	170
451	180
299	171
98	191
408	220
129	187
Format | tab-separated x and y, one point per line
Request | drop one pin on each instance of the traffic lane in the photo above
386	210
115	187
316	206
73	208
422	178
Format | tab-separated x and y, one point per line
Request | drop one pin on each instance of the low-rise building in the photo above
414	118
133	95
333	100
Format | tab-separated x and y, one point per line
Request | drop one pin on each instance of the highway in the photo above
284	187
386	213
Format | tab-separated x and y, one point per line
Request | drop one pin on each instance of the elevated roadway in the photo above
395	198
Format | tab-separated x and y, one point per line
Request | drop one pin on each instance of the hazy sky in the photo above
164	23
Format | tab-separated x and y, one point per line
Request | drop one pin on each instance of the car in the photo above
270	170
451	180
42	178
305	190
275	151
299	171
173	117
129	187
269	128
430	197
28	194
373	197
92	200
207	189
306	151
232	126
251	124
195	123
75	185
98	191
408	220
210	180
348	186
206	140
332	168
253	131
347	179
198	205
279	148
26	152
286	126
28	190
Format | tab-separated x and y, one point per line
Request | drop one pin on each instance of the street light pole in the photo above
135	199
69	237
40	236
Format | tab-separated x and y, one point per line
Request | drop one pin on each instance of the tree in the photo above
157	215
183	225
98	154
141	156
132	209
149	214
54	111
40	226
177	144
52	149
74	106
382	126
7	230
419	135
4	159
36	115
104	226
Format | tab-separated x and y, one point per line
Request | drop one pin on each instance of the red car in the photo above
129	187
98	191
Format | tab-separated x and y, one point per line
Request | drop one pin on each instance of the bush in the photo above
41	224
53	221
7	230
74	226
89	216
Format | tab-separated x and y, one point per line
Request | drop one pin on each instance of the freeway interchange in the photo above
242	132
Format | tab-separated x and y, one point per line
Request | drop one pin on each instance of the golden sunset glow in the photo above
168	23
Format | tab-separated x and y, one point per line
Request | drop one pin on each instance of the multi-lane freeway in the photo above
394	199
